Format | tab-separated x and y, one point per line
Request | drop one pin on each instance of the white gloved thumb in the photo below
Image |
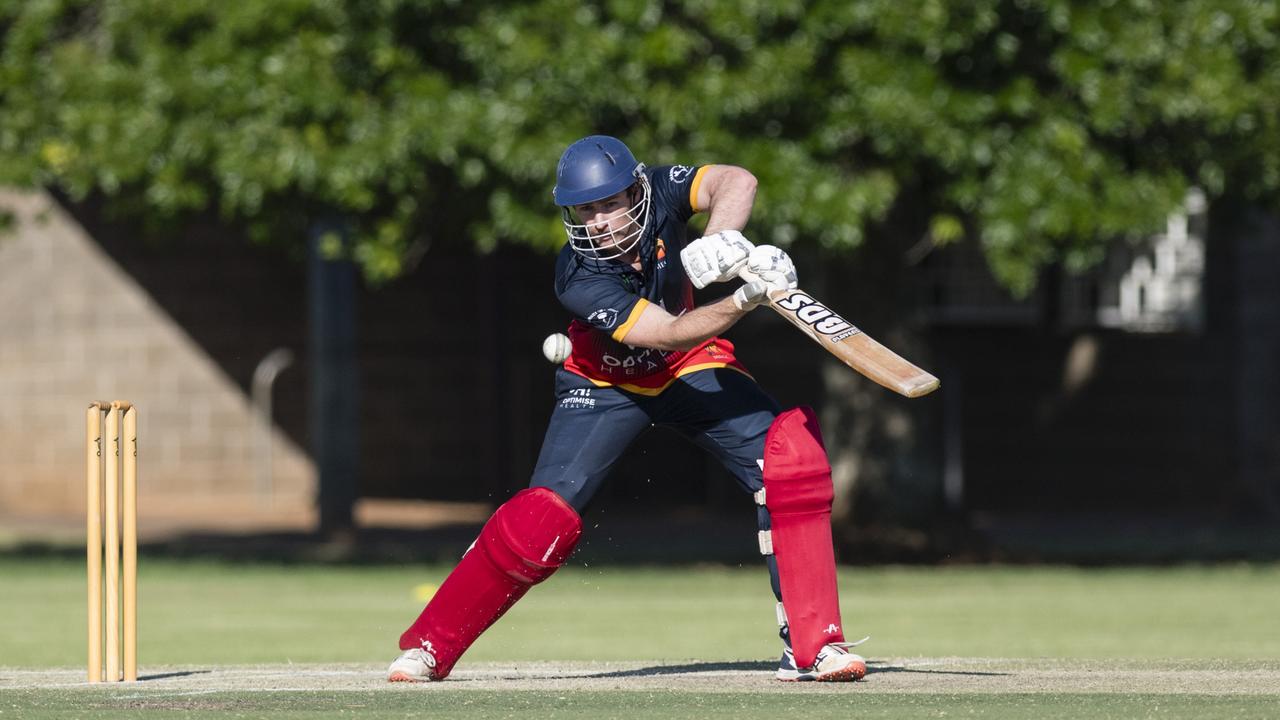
751	295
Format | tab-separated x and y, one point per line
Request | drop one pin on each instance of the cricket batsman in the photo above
643	354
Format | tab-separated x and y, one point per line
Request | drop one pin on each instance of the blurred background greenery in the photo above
1041	129
907	154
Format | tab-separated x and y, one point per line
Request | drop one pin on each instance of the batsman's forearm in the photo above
701	323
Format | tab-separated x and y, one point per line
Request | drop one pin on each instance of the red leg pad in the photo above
525	541
798	495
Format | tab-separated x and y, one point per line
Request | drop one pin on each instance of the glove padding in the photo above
772	265
768	269
751	295
715	258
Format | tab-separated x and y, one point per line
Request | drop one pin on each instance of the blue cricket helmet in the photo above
594	168
591	169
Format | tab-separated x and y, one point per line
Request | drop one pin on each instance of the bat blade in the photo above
854	347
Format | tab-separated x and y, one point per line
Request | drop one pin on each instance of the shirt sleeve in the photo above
601	301
676	187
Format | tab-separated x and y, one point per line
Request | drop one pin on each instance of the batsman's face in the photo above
607	220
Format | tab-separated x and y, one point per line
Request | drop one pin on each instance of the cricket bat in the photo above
854	347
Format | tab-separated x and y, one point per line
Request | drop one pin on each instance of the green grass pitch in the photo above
279	641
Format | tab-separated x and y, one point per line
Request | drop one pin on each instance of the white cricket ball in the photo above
556	348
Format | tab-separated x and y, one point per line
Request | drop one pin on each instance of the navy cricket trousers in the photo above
721	409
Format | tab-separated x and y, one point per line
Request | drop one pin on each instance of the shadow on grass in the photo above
657	670
166	676
765	666
874	669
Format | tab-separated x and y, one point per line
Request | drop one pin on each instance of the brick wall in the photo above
75	327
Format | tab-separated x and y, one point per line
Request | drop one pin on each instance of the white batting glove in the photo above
715	258
773	266
751	295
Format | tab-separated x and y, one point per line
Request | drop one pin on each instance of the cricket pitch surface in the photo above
894	676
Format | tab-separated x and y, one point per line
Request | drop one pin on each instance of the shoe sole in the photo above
850	673
402	677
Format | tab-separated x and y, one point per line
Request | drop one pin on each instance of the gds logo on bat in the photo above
818	316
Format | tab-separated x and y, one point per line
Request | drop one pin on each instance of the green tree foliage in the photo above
1043	129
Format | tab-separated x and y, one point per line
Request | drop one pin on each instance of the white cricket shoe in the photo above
834	664
413	665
